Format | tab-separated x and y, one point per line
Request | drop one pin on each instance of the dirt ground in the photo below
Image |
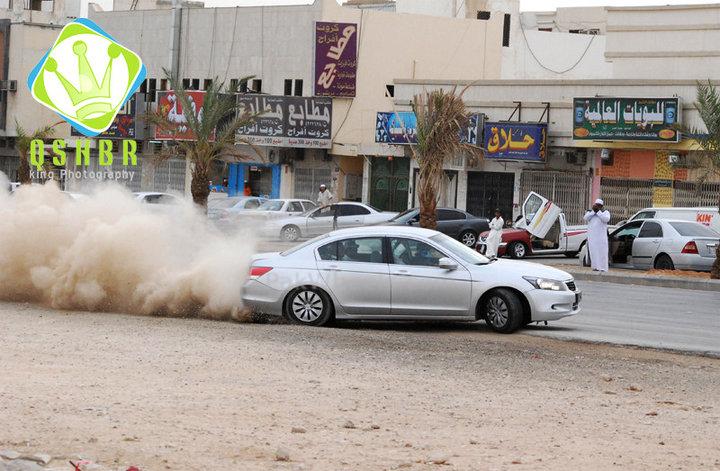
163	393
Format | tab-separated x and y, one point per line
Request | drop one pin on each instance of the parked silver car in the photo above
398	272
661	244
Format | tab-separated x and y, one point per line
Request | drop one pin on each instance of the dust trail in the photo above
109	252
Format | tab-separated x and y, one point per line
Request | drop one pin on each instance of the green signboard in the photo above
626	119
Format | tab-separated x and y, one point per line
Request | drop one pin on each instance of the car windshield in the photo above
272	205
693	229
222	203
460	250
303	245
405	216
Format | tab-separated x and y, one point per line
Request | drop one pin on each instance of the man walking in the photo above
597	219
324	197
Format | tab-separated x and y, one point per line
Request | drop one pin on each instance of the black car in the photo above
458	224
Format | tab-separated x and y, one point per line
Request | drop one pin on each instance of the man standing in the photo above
495	236
324	197
597	219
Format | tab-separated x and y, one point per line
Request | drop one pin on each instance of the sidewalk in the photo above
636	277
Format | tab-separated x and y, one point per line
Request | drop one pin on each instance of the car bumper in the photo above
261	298
549	305
692	262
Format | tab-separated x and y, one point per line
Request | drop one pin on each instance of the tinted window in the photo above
414	252
449	215
328	252
295	207
651	229
352	210
692	229
644	215
367	250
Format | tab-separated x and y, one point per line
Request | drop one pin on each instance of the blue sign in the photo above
515	141
400	127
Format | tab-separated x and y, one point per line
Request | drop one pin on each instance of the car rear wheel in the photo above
290	233
503	311
518	250
308	306
468	238
664	262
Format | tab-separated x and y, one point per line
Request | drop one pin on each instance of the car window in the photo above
328	251
309	205
364	249
295	207
693	229
644	215
650	229
631	229
449	215
352	210
413	252
252	204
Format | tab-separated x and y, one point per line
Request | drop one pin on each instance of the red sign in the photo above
170	107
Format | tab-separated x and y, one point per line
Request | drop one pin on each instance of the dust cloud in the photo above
109	252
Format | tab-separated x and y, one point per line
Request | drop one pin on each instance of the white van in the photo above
707	216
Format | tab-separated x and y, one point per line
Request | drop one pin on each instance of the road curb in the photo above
649	280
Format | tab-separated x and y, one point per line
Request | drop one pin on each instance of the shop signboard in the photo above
288	121
400	127
335	59
626	119
515	141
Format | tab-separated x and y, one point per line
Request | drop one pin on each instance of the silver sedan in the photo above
404	273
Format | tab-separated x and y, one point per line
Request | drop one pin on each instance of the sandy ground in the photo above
164	393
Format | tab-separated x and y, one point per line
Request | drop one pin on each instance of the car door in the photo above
354	269
419	287
319	221
646	244
351	215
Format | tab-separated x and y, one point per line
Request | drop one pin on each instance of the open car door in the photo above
538	215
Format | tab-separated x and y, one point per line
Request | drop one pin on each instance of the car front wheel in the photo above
468	238
309	306
503	311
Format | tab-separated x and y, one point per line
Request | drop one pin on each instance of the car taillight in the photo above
259	271
690	247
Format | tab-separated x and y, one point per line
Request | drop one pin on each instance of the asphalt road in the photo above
676	319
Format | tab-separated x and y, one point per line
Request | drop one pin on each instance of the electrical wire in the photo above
532	53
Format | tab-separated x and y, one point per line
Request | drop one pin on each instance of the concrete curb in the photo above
648	280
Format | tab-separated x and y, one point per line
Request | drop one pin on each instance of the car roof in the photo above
383	230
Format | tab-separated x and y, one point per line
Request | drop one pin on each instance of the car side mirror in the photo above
447	264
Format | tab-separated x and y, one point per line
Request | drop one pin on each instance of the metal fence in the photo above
689	194
623	197
570	191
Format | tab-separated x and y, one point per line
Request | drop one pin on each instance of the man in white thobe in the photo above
597	219
495	236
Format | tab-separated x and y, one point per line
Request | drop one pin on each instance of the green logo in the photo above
86	77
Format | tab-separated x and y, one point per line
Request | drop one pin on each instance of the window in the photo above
352	210
365	250
295	207
693	229
644	215
449	215
414	252
506	31
483	15
328	251
288	87
650	229
298	87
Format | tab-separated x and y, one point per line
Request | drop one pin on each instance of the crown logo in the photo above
89	102
96	97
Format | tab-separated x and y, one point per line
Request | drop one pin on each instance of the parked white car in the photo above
661	244
322	220
407	273
707	216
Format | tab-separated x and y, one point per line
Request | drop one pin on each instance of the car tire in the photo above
468	238
664	262
290	233
308	306
503	311
517	250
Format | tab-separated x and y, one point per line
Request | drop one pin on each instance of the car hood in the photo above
520	269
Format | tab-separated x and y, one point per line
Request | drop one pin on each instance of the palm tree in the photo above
215	131
23	141
707	157
441	116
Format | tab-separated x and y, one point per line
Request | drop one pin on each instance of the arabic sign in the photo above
335	59
288	121
626	119
170	107
515	141
123	125
400	127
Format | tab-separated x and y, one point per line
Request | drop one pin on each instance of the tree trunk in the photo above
200	186
24	170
